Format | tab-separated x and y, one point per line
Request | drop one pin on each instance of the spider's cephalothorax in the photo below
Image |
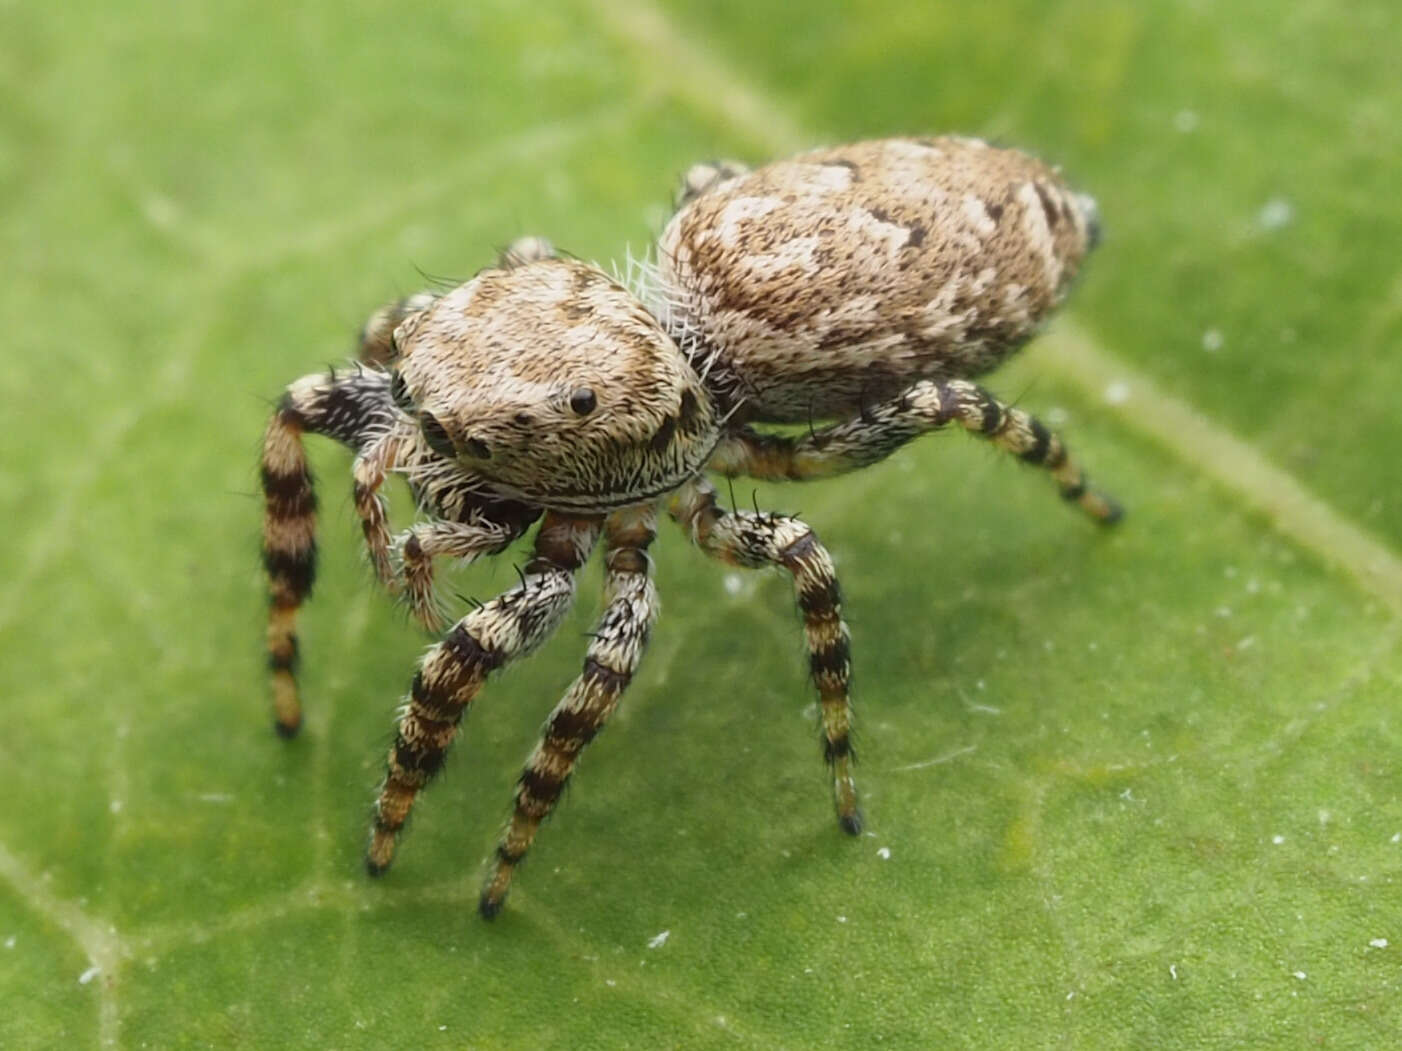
860	285
553	383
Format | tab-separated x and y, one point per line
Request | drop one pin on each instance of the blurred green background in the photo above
1137	789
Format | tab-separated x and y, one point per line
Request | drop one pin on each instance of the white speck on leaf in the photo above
1396	838
1301	975
1185	121
1277	839
842	919
1117	393
734	584
88	975
1173	971
1212	340
1378	943
1275	213
10	942
659	940
884	853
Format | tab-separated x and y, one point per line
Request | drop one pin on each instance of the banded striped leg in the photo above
352	407
753	540
453	672
422	543
884	428
613	657
289	555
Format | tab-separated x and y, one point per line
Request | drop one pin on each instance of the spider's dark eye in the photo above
478	448
582	401
436	436
399	391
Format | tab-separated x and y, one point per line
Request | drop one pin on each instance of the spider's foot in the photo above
844	792
380	854
1104	509
494	893
287	708
1112	512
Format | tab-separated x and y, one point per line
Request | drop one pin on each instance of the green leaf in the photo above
1136	788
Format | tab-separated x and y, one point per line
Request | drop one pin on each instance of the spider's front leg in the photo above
353	408
453	672
613	657
754	540
884	428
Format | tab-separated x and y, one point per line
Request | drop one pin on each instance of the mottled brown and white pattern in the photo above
839	277
860	287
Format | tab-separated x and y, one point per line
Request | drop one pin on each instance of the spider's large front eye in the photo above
582	401
436	436
399	391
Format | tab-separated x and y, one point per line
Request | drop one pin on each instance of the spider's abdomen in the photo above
841	276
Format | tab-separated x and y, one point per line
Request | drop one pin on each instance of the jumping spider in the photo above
861	285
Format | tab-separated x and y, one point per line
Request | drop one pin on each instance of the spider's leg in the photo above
350	408
377	337
745	538
525	250
453	672
614	654
925	407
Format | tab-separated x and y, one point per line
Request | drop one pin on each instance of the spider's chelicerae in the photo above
858	286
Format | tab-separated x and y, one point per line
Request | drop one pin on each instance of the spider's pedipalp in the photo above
368	475
421	544
753	540
615	650
924	407
453	672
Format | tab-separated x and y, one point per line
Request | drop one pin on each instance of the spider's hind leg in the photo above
754	540
377	336
882	429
